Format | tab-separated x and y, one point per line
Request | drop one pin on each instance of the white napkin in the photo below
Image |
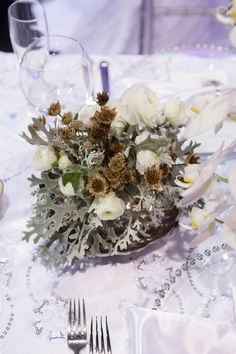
157	332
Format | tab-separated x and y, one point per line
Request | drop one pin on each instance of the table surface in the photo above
33	299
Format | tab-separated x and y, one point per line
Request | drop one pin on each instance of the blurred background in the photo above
129	26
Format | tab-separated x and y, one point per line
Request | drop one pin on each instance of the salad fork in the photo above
77	329
100	346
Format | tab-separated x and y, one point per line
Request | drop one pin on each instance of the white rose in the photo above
143	106
108	207
64	161
44	158
145	159
68	189
174	111
87	112
144	135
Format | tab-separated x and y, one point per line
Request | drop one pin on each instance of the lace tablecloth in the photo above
33	299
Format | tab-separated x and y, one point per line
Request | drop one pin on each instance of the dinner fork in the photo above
77	329
99	347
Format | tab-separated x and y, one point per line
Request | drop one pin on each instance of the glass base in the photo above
220	264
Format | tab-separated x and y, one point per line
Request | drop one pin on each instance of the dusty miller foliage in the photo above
64	227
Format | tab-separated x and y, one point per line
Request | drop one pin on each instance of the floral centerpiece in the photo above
115	176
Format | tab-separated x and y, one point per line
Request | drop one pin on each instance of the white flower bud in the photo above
174	111
64	161
68	189
145	159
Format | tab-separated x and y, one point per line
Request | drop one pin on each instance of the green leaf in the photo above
74	178
152	144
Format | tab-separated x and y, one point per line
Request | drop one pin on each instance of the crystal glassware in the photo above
27	21
56	68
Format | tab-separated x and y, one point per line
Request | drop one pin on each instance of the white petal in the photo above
232	36
231	148
212	115
229	228
203	234
218	127
232	179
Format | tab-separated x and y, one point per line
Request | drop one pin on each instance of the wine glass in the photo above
27	21
56	68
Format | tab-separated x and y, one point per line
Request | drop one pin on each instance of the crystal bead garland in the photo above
190	262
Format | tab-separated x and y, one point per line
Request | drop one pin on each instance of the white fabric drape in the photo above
157	332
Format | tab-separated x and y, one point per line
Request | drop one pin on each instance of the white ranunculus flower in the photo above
144	135
87	112
44	158
145	159
68	189
143	106
108	207
174	111
64	161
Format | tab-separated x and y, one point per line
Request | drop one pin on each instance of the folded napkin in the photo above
157	332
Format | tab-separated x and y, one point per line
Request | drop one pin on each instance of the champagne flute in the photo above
27	21
56	68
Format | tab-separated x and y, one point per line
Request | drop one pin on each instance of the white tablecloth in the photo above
33	299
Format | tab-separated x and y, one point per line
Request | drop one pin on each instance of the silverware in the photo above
99	346
104	70
77	329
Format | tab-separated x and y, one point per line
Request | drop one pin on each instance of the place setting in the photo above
117	189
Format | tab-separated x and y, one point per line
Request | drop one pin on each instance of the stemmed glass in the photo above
27	21
56	68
